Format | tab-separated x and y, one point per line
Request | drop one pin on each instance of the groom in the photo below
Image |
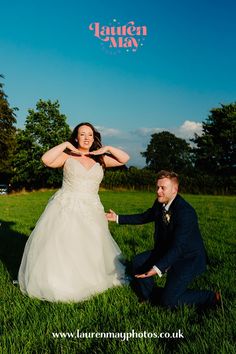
178	249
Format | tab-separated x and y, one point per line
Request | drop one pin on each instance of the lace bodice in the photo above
79	180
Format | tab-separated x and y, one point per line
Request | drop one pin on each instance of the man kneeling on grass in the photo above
178	249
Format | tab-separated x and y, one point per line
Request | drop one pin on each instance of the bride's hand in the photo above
72	148
100	151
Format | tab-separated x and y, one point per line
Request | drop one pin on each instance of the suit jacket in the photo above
178	243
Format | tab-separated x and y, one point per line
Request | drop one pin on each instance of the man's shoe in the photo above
217	299
143	301
216	302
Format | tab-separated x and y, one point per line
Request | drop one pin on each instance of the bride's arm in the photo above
118	157
56	156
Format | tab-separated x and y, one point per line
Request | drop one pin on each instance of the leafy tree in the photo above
166	151
7	135
216	148
45	127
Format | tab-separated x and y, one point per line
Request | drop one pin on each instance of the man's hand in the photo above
111	216
148	274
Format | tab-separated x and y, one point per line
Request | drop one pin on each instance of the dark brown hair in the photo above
168	174
97	144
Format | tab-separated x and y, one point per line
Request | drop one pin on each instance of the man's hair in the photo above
168	174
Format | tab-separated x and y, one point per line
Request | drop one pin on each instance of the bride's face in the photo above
85	137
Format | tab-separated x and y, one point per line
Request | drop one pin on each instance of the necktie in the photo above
165	215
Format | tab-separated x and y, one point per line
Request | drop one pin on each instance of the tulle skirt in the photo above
71	254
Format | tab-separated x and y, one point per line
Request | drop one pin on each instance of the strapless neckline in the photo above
85	168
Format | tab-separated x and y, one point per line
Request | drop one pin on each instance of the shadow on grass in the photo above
12	246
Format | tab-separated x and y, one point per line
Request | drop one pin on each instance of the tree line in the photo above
206	164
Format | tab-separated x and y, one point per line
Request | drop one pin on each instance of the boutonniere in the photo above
167	217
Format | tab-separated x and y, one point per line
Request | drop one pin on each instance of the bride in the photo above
71	255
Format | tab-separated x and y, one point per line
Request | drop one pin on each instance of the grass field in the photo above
27	324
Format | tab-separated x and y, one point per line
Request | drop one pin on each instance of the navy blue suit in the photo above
178	249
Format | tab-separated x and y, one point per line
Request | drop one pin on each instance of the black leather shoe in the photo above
217	299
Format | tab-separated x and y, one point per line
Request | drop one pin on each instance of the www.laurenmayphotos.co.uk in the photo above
124	336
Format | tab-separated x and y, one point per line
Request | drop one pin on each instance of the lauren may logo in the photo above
129	36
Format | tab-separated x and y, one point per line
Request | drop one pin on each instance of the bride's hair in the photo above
97	144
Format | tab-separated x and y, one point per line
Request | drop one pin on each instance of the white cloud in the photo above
137	140
110	132
147	131
188	128
185	131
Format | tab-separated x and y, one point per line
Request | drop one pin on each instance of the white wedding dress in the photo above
71	254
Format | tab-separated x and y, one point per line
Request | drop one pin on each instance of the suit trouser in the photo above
175	292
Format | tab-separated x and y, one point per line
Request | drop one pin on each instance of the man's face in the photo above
166	190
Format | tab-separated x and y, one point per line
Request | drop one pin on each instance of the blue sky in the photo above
185	67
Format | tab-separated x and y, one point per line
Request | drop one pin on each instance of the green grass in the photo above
27	324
